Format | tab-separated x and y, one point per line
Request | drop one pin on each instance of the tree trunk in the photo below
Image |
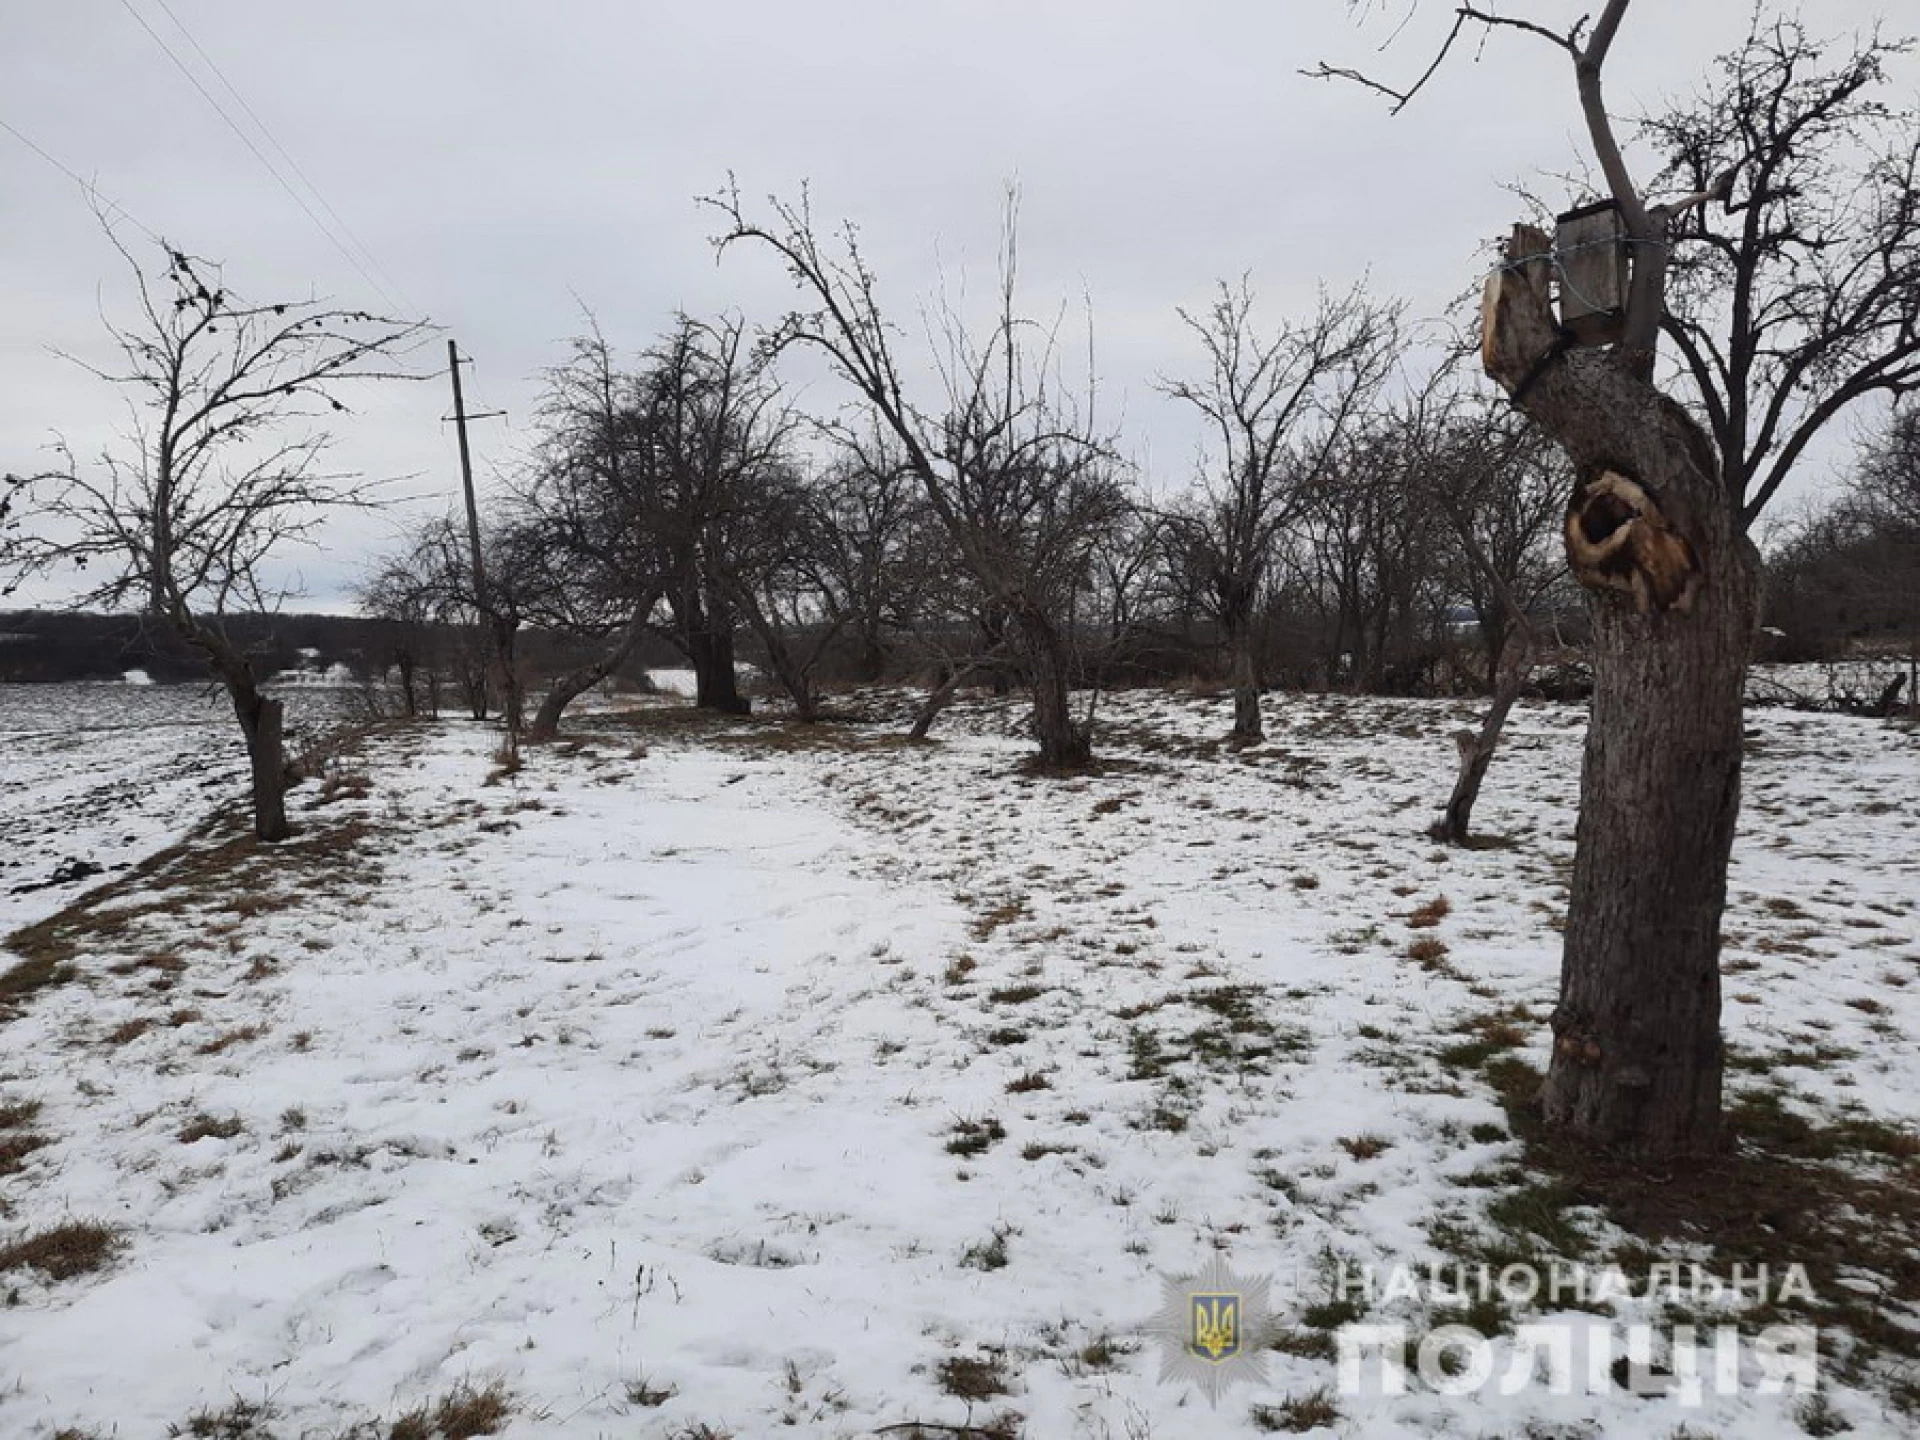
513	701
715	685
938	698
1244	675
1454	827
1063	744
570	687
262	719
409	695
1651	532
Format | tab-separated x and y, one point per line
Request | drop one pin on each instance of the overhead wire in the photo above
292	164
261	156
92	191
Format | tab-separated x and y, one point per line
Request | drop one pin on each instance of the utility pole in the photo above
466	481
498	624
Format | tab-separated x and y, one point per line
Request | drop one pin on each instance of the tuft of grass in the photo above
16	1146
1426	916
1016	994
227	1039
461	1414
37	972
1428	952
128	1031
973	1377
1365	1147
975	1137
78	1247
989	1254
208	1127
1296	1415
242	1420
18	1114
1028	1081
644	1393
1817	1416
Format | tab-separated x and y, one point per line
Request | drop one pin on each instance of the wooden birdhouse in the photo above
1594	269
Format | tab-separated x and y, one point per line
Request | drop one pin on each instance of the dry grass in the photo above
973	1377
16	1146
18	1114
208	1127
78	1247
1426	916
460	1414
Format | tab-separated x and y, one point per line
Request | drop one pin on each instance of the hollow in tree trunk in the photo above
1655	538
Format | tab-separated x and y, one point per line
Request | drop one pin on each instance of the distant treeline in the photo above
38	646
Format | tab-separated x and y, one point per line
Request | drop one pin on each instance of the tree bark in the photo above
262	720
1243	674
715	685
1064	745
1655	538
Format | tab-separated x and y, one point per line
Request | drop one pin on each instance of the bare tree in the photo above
588	515
219	469
1656	530
1363	550
1846	574
1795	293
1498	490
395	594
1275	408
651	486
1005	461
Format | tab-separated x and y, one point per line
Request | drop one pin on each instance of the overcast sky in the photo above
504	163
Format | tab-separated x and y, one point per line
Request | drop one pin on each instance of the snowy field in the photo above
708	1079
95	776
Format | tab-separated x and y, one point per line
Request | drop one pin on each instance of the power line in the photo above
284	153
86	185
260	155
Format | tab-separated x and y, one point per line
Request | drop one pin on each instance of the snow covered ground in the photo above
94	776
778	1081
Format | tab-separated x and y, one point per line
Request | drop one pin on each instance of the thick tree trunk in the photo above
1637	1049
715	685
1243	673
262	721
1455	826
1064	745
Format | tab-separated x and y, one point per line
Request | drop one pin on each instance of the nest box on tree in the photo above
1595	270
